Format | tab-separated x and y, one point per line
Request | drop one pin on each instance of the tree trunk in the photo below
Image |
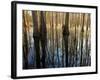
36	36
82	31
52	31
65	36
25	42
62	44
57	40
43	38
87	36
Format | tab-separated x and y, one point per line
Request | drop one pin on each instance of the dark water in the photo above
79	49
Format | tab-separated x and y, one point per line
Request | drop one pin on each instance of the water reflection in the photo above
63	48
55	56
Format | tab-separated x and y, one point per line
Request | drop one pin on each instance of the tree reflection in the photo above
56	39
